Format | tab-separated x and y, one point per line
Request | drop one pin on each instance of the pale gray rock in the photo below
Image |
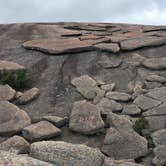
155	78
109	47
15	144
160	155
157	111
109	62
28	96
158	94
87	86
118	96
131	109
12	119
7	93
11	159
62	153
56	120
120	144
10	66
159	137
108	87
145	102
40	131
85	118
155	63
153	126
112	162
108	106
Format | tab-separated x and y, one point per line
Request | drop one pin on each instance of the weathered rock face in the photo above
159	137
7	93
111	162
61	153
121	141
103	64
40	130
85	118
58	46
12	119
10	66
8	159
28	96
15	144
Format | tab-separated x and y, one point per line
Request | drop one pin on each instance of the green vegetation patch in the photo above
16	79
140	125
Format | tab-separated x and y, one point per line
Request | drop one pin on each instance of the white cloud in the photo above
129	11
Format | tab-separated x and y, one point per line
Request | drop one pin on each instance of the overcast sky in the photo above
128	11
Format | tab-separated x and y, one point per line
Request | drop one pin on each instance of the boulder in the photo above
120	144
160	155
56	120
87	86
155	78
155	63
108	87
108	106
12	119
109	62
10	159
135	43
10	66
15	144
111	162
121	141
28	96
158	94
85	118
145	102
131	109
159	137
7	93
62	153
41	130
109	47
58	46
118	96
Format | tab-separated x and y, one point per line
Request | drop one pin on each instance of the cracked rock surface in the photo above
97	95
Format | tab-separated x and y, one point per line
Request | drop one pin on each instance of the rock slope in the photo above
96	96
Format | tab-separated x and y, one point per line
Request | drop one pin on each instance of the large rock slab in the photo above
121	141
158	94
155	63
61	153
28	96
160	156
111	162
10	66
87	86
145	102
85	118
118	96
10	159
135	43
109	47
159	137
109	62
124	144
157	111
7	93
108	106
58	46
131	109
12	119
41	130
15	144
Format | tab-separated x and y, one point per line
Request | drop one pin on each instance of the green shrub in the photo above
16	79
140	125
